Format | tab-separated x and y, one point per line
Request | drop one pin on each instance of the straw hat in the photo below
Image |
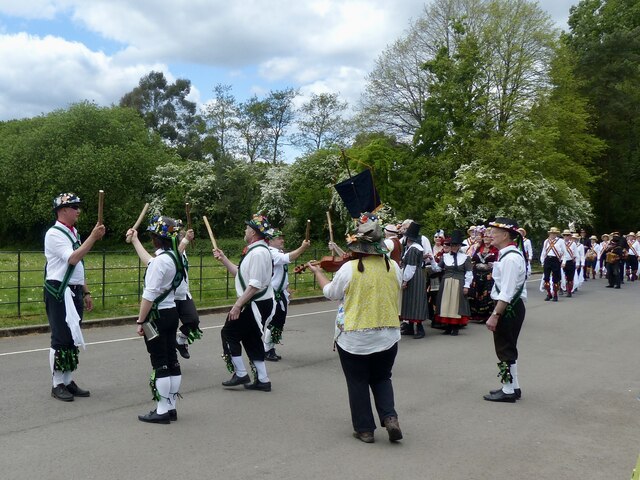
555	230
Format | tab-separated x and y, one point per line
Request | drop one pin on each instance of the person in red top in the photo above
482	259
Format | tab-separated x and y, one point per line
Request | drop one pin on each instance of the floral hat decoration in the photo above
368	236
260	224
274	233
65	200
165	227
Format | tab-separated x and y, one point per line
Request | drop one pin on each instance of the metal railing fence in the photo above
115	278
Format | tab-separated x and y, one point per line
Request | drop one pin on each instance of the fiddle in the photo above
328	264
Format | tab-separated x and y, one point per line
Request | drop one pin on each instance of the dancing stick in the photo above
100	205
187	207
139	221
308	231
330	227
213	240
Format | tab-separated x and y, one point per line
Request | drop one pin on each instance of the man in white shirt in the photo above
510	292
552	260
66	293
158	316
280	285
528	249
570	261
253	308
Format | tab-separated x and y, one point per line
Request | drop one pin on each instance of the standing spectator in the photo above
415	309
482	260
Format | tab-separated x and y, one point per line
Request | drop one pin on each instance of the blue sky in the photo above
56	52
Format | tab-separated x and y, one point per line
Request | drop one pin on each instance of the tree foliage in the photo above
83	149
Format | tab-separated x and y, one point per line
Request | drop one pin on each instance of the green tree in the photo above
279	115
320	122
221	114
251	125
604	39
166	110
82	149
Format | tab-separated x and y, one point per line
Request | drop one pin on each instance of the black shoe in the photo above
617	286
271	356
555	299
446	332
454	332
61	393
549	297
183	350
258	385
569	295
274	352
235	380
517	390
609	286
173	415
500	396
76	391
154	417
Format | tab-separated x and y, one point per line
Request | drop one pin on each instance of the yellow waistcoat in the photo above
372	297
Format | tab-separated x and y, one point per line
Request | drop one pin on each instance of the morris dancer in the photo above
66	293
158	313
510	292
280	285
633	250
252	310
552	259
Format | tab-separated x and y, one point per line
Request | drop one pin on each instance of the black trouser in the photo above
188	315
57	313
280	315
369	371
632	265
505	337
552	268
570	270
244	332
162	349
613	274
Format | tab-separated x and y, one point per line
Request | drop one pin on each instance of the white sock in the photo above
181	338
514	375
261	367
174	389
164	387
67	377
238	363
57	376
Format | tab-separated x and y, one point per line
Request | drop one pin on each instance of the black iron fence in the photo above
115	279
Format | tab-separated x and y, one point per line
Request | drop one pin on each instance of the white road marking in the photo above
140	338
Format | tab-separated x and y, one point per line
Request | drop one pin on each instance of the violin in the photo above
328	263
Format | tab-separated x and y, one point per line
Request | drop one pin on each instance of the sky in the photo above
57	52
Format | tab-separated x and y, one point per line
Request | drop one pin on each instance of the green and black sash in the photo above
58	293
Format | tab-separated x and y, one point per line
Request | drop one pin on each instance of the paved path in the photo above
578	419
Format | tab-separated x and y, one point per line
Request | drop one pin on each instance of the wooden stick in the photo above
307	233
213	239
100	205
330	227
187	208
139	221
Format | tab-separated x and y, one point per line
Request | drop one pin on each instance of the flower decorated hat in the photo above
165	227
66	200
260	224
368	236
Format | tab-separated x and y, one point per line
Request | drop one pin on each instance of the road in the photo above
578	418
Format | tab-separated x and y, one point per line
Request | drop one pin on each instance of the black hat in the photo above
413	232
457	237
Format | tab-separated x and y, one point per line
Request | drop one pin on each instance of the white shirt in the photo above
547	251
509	273
57	249
447	259
571	252
636	246
426	244
408	271
362	342
580	256
256	270
528	248
280	259
160	272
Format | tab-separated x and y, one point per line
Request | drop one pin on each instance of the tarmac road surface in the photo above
578	418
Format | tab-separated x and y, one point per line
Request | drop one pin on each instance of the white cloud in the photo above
42	74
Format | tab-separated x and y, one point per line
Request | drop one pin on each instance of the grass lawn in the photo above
115	279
